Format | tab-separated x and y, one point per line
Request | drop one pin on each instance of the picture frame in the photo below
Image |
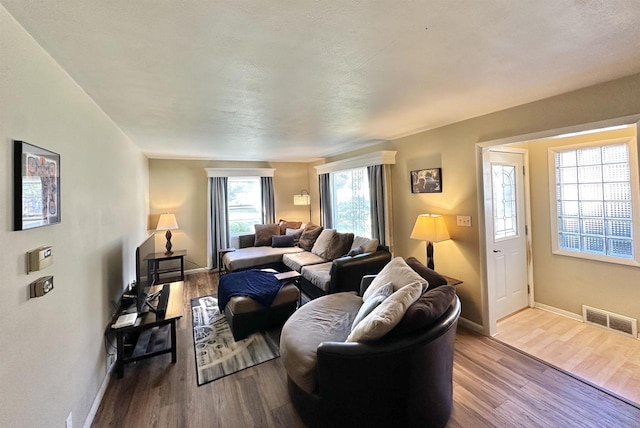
36	186
426	180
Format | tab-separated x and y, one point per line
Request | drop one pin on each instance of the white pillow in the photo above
322	243
398	272
387	315
368	245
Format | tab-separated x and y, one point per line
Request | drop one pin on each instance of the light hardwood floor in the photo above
494	386
605	358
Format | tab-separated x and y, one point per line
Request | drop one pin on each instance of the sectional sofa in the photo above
328	261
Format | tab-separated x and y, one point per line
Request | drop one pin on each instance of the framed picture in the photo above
426	180
36	186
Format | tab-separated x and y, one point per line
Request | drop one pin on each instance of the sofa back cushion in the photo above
399	273
322	242
368	245
339	246
433	278
284	225
280	241
264	232
309	236
426	310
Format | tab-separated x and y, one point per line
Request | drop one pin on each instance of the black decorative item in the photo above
36	186
426	180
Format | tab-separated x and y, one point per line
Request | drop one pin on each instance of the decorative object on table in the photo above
217	354
304	198
167	222
426	180
36	186
430	228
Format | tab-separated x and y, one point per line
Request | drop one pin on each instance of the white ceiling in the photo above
302	79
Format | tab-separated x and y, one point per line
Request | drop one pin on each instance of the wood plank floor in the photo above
605	358
494	386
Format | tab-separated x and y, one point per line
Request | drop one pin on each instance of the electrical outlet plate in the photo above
464	220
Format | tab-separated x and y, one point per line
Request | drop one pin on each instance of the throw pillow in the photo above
433	278
296	233
398	272
355	251
309	236
375	300
387	315
278	241
322	243
264	232
368	245
284	225
428	308
338	246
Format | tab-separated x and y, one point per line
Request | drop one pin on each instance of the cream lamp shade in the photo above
167	222
304	198
430	228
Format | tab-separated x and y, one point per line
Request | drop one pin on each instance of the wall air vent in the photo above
609	320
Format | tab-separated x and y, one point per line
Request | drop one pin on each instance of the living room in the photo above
110	188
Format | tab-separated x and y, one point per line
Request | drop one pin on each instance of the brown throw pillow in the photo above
284	225
264	232
309	236
338	246
433	278
427	309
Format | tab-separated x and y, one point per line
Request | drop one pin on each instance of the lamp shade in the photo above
302	199
430	227
167	222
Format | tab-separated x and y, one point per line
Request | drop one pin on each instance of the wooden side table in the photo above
452	281
154	261
221	252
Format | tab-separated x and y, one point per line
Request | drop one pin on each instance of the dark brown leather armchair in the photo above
397	381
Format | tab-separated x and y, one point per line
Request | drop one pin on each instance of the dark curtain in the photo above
219	225
377	202
268	200
326	214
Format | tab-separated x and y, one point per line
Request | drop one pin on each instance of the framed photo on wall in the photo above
426	180
36	186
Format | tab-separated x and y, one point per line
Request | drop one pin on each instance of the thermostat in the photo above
39	258
41	286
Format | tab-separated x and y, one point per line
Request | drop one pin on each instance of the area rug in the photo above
217	353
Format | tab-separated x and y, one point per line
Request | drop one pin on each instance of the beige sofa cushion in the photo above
368	245
297	261
319	275
399	273
321	245
326	319
246	258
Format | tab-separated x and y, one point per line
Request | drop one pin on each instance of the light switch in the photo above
39	258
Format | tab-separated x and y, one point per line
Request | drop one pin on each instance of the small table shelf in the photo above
154	261
156	335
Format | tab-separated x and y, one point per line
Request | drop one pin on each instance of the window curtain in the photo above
326	216
268	200
219	225
380	203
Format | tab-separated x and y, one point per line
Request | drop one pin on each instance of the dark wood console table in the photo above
154	261
156	336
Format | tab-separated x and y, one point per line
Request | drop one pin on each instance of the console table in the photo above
154	261
156	336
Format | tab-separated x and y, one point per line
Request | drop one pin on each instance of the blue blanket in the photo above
261	286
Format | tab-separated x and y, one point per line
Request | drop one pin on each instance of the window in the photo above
350	201
244	204
594	200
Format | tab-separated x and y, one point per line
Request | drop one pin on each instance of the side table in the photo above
154	260
221	252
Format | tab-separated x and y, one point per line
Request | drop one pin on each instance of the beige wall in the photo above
568	282
52	352
453	148
180	186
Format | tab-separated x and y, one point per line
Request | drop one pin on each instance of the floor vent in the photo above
611	321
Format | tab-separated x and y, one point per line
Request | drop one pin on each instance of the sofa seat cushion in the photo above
319	275
246	258
326	319
297	261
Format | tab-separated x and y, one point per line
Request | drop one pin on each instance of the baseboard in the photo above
197	270
558	311
96	403
471	325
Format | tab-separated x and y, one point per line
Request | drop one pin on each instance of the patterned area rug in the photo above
217	354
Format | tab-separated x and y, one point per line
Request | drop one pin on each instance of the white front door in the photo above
506	233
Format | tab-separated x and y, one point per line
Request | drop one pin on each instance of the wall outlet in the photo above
68	423
464	220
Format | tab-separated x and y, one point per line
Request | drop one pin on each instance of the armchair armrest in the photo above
365	283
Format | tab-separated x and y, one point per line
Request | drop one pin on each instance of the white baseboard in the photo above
558	311
471	325
96	402
197	270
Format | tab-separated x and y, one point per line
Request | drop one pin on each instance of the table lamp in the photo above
303	199
167	222
430	228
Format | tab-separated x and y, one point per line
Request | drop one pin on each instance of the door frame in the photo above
489	326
